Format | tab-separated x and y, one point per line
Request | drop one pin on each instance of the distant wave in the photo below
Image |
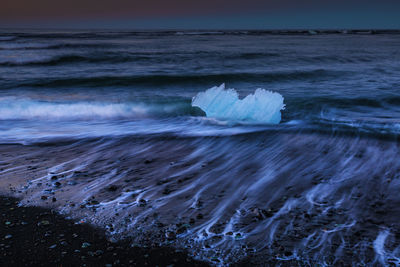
336	59
261	107
393	100
45	46
121	34
105	56
200	33
116	57
64	59
252	55
113	57
7	38
190	79
90	34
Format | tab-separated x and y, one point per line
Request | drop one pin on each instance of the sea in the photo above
252	147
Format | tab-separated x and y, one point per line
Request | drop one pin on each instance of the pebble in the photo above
112	188
8	236
238	236
44	222
166	191
85	245
142	202
170	235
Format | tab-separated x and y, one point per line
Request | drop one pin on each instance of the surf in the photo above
29	109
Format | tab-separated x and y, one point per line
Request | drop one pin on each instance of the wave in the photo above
57	35
261	107
33	109
252	55
90	34
44	61
158	57
66	59
7	38
113	34
336	58
116	57
41	46
200	33
190	79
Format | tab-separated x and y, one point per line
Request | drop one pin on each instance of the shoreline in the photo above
35	236
149	192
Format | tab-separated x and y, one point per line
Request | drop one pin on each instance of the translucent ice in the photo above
261	107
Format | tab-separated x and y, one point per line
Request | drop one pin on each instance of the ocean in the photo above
240	146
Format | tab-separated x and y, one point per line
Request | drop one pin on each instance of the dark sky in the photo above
201	14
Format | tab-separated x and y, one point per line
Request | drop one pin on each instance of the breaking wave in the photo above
261	107
34	109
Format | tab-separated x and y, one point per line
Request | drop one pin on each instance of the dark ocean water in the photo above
149	78
315	181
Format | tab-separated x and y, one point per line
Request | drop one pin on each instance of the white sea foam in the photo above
11	108
37	109
261	107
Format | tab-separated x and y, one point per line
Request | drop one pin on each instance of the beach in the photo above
194	148
41	237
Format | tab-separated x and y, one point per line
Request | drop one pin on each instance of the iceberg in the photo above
262	107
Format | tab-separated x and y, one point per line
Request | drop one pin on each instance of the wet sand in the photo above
287	199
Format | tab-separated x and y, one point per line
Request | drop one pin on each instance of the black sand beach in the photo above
31	236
